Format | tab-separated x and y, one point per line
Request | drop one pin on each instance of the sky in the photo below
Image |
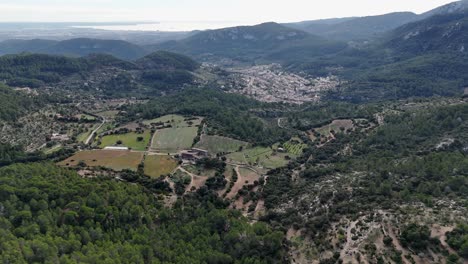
240	11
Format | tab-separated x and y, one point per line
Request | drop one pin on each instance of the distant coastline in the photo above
168	26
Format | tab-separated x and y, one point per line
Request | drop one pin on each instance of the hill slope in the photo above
355	28
99	72
74	47
438	33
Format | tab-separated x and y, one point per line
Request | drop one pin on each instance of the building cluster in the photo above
193	155
269	83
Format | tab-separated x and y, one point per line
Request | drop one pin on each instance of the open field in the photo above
128	140
116	160
174	139
156	165
218	144
260	156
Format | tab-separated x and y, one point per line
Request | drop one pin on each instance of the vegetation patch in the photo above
218	144
113	159
156	165
335	126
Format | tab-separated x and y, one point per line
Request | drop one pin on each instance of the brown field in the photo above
156	165
245	177
113	159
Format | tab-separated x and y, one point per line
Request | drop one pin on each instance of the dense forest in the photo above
50	214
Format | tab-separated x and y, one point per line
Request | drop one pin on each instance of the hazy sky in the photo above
247	11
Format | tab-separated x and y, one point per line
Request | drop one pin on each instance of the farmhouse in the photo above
465	94
193	154
116	148
59	137
200	152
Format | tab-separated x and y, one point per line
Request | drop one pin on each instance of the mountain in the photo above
455	7
251	43
74	47
18	46
359	28
438	33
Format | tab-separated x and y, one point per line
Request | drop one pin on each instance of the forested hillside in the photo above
53	215
14	104
228	114
158	71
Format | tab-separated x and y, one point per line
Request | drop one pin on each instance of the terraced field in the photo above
129	140
294	147
157	165
113	159
218	144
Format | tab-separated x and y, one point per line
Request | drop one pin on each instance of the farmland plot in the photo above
113	159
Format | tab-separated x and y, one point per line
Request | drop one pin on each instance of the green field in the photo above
86	117
174	139
156	165
128	140
113	159
52	149
260	156
108	114
217	144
